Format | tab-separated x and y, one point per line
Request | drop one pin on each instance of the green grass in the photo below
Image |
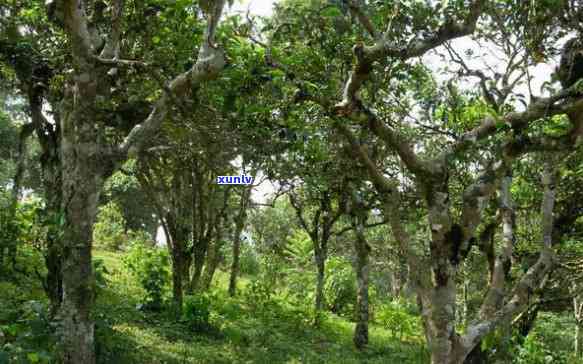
242	333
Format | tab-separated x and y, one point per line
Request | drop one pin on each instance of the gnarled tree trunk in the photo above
82	182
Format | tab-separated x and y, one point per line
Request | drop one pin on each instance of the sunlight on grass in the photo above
244	335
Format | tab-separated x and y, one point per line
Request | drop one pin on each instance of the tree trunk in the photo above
320	276
54	279
12	247
213	259
578	311
177	270
579	340
54	254
235	264
362	272
239	225
84	165
444	343
199	256
178	232
477	356
81	187
399	275
525	323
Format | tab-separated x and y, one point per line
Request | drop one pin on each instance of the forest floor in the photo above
241	330
241	335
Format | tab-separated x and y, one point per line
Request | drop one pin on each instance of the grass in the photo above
242	330
242	334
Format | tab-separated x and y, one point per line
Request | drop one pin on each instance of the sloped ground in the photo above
241	334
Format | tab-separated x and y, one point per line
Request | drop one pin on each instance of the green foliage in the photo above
299	272
550	341
100	273
534	351
150	266
249	261
24	232
196	311
109	230
27	338
134	204
340	287
258	294
271	227
8	148
398	319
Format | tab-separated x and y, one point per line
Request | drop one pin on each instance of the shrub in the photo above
150	266
29	338
196	312
99	271
109	230
249	262
340	287
534	351
140	237
258	294
397	318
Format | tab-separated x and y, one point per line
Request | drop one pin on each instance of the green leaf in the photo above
331	12
155	39
33	357
277	73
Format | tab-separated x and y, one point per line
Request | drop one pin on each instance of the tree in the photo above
86	156
240	220
359	216
430	163
324	214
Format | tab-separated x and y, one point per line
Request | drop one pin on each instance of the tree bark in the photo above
579	339
235	265
320	280
239	225
83	167
179	229
360	337
477	356
52	182
214	257
199	257
82	182
578	311
54	279
177	279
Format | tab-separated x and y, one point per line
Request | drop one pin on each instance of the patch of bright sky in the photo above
255	7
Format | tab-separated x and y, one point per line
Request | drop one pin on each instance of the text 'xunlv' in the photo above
235	180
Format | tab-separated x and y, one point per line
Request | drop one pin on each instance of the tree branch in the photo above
111	49
538	109
76	27
364	20
382	48
210	62
531	279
